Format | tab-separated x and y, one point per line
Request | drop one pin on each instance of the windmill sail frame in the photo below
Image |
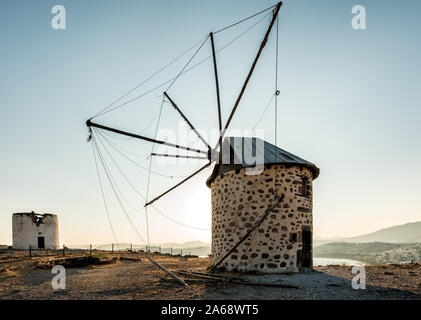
222	131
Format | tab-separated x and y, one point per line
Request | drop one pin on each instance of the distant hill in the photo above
188	244
416	239
397	244
405	233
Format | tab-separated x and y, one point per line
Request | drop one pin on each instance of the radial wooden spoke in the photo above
178	184
89	123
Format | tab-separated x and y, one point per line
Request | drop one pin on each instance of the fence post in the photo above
90	249
112	248
64	250
30	252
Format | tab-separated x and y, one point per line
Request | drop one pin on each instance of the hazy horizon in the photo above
349	103
316	237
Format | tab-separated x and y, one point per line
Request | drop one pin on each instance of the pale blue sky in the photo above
350	102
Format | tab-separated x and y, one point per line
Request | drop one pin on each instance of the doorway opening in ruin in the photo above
307	250
41	243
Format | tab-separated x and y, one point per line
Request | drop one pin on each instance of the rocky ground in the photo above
132	276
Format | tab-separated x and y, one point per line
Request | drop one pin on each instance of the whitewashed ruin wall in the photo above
26	231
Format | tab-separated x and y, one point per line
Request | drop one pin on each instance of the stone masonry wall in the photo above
239	200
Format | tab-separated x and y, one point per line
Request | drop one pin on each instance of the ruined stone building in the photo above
283	241
40	231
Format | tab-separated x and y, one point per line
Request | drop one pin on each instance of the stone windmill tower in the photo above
260	220
279	197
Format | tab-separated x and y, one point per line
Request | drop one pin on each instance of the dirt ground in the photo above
134	277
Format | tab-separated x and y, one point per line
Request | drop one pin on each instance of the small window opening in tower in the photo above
305	190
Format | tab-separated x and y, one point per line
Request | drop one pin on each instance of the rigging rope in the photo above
262	115
138	165
117	137
134	162
245	19
146	80
188	62
124	150
141	196
140	132
177	222
103	197
187	70
157	127
150	163
171	81
276	81
116	194
275	95
122	173
101	112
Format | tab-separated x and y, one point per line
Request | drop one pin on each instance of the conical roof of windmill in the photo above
247	152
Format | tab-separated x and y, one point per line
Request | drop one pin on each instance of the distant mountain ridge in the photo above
404	233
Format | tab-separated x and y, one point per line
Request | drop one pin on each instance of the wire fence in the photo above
9	253
91	249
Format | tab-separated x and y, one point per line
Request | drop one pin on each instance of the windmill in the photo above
235	227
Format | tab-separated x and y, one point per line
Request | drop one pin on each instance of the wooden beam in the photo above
248	233
218	98
178	184
171	274
262	45
177	156
187	120
89	123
